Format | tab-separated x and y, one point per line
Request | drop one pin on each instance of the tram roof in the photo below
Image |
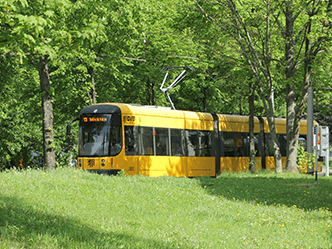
162	112
238	122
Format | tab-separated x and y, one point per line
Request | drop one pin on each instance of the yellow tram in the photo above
157	141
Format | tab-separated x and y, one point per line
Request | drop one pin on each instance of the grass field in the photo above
68	208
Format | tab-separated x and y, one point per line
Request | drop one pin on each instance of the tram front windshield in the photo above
100	135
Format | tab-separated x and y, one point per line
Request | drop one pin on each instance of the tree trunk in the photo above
291	144
252	165
47	109
291	165
150	85
94	93
149	99
275	141
153	93
292	132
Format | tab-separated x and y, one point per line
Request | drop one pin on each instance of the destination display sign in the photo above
94	119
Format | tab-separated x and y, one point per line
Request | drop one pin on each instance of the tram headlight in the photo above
102	162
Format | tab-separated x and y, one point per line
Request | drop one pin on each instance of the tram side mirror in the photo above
69	125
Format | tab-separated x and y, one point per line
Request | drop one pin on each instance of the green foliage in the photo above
121	173
70	208
127	44
304	159
323	86
20	117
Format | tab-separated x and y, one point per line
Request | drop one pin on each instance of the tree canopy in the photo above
115	51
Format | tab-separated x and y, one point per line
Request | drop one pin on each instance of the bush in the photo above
303	159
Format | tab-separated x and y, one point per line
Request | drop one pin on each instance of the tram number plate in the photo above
128	119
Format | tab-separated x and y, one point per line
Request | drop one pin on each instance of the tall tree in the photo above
302	45
252	33
258	27
47	107
40	30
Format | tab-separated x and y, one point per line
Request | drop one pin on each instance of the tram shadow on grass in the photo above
270	189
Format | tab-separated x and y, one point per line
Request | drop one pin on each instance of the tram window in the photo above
246	145
198	142
177	143
95	138
130	141
269	151
145	141
205	143
303	141
242	144
162	141
116	140
260	142
192	143
269	144
228	142
234	144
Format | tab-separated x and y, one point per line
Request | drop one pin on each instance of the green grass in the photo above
69	208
